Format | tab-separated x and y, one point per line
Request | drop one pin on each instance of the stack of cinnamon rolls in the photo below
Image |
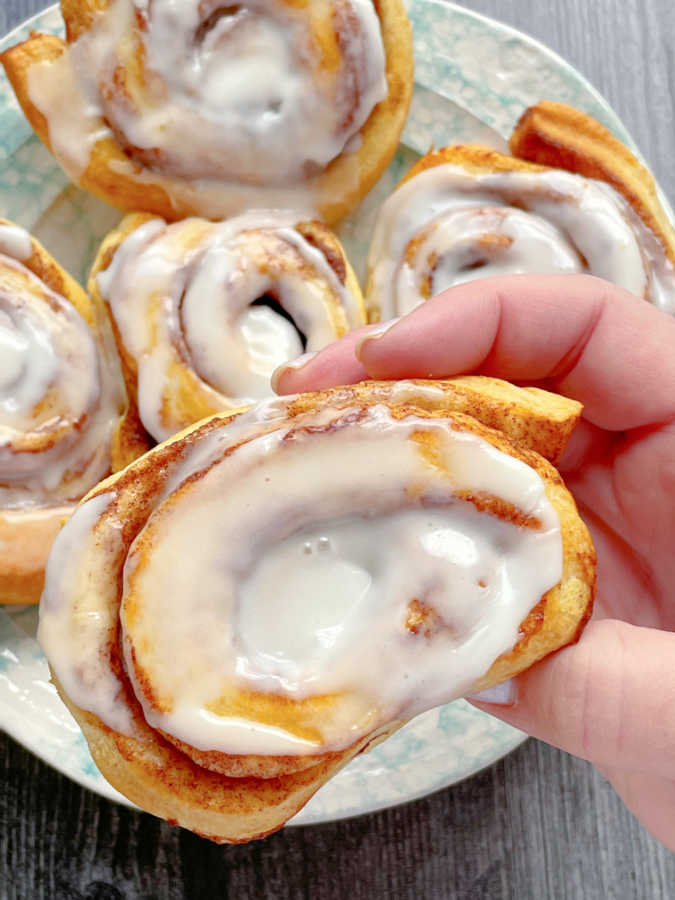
209	607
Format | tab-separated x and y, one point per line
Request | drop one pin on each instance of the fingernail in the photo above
373	334
292	366
503	694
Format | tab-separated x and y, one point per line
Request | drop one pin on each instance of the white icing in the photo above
82	626
319	585
265	575
59	395
464	226
28	364
180	295
270	339
15	241
490	241
264	109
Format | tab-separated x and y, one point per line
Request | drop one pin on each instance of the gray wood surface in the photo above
626	48
539	824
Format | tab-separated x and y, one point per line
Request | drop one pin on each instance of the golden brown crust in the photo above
531	417
17	61
559	136
130	440
167	783
23	554
336	190
103	259
78	15
240	798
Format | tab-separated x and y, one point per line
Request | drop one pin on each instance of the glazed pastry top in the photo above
260	93
355	567
60	397
446	225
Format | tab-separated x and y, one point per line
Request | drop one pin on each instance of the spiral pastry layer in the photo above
361	555
469	212
61	407
204	312
209	107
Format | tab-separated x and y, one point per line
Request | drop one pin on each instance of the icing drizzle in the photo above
325	606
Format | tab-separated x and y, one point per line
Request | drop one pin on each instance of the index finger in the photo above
587	338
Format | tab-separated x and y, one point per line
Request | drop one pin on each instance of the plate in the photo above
474	77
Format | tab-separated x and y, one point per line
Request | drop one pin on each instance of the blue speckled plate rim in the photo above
612	120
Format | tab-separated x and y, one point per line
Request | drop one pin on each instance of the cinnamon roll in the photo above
251	604
209	107
572	198
204	312
62	407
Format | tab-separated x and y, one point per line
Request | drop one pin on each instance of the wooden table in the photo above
538	824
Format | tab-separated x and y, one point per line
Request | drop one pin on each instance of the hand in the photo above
611	697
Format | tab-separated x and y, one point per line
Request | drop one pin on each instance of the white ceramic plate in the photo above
463	62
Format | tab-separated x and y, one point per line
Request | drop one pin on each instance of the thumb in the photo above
609	699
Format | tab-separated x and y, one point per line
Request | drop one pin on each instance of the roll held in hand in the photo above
361	554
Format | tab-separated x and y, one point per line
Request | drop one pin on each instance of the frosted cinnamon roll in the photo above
204	312
208	107
468	212
361	554
62	403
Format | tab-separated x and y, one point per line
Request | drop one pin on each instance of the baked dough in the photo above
309	117
203	312
127	678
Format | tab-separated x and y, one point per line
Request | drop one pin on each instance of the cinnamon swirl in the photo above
62	403
361	554
204	312
583	204
209	107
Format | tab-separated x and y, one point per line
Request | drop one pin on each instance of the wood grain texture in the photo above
539	824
